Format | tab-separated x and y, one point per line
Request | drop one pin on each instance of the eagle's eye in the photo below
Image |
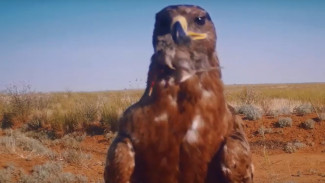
164	22
200	20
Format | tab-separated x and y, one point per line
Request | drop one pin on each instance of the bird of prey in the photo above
182	129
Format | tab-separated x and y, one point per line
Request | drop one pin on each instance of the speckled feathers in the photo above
181	129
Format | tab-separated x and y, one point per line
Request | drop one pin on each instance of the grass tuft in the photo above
322	116
7	174
290	148
52	172
263	130
284	122
308	124
74	156
15	141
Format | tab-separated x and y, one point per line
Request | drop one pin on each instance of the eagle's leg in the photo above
119	161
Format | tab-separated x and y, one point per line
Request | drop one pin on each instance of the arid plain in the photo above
64	136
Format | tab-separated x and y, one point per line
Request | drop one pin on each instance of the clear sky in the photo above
106	45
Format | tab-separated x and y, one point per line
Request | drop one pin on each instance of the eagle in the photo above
181	130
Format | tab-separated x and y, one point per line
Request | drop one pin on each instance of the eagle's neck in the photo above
186	67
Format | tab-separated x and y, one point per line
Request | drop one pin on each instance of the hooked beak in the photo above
181	35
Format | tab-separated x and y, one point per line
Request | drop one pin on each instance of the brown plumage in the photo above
181	130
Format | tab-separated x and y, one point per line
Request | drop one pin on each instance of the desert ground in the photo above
64	137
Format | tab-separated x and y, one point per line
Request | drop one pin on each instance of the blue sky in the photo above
106	45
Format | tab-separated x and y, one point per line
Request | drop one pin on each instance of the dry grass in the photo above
47	172
75	156
67	112
18	143
279	99
51	172
64	112
305	92
6	174
61	120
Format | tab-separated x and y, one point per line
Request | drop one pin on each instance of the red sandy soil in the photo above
272	164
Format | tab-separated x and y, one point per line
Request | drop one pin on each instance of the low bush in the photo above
71	140
276	112
284	111
284	122
74	156
308	124
6	174
303	109
262	130
322	116
44	136
251	112
292	147
37	121
7	120
21	101
248	96
299	145
15	140
52	172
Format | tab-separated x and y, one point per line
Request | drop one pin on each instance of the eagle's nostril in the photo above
179	35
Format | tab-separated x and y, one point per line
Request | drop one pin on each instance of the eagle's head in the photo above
188	25
184	41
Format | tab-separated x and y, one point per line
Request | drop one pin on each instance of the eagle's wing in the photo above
233	162
235	156
120	161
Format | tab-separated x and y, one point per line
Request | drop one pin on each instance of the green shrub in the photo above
303	109
251	112
284	122
308	124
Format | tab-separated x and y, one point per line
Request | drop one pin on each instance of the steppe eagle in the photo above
182	129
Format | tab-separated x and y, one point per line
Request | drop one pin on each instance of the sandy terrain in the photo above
272	163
